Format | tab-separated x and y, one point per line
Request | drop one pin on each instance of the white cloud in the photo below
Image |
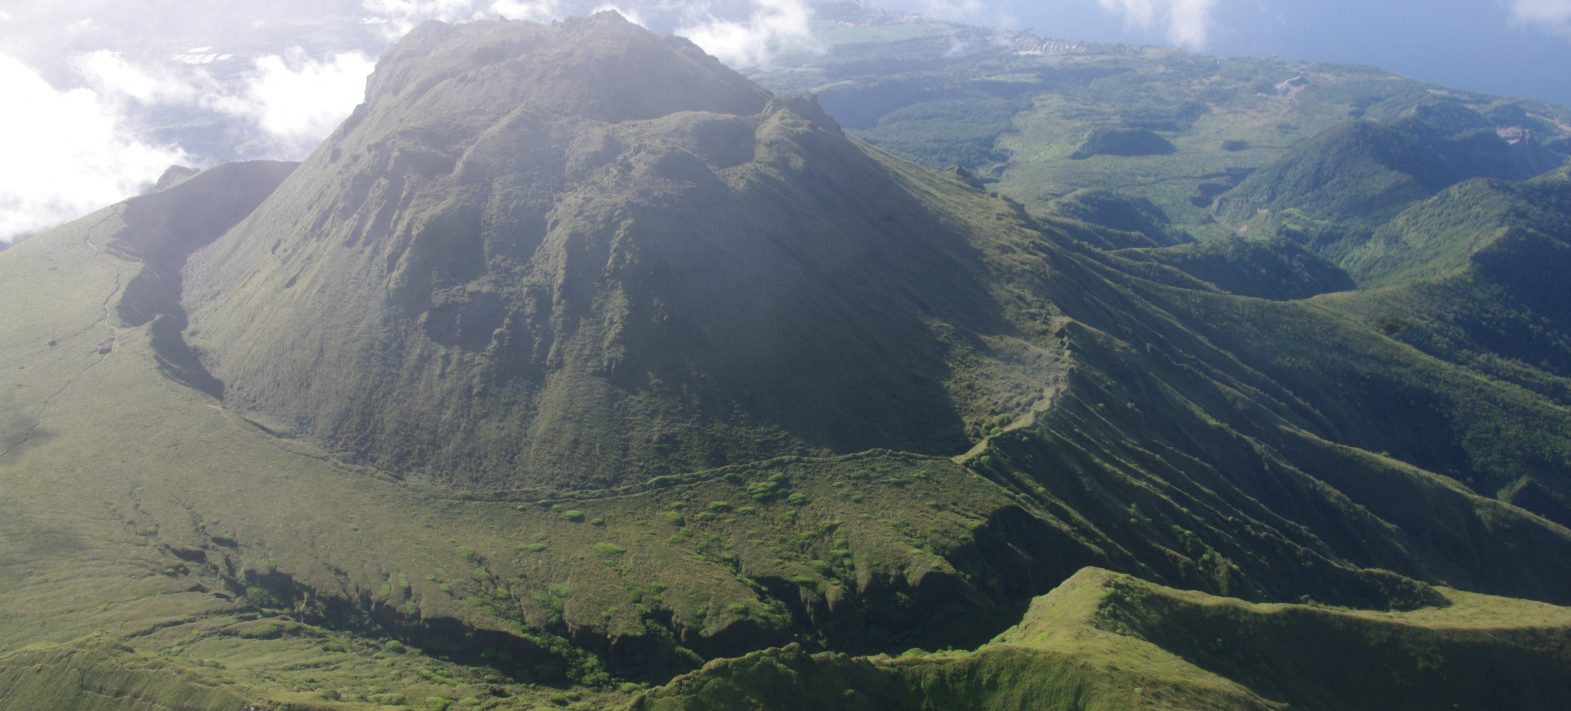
77	149
952	9
397	17
296	99
111	75
69	153
1186	22
956	47
195	58
774	25
532	10
1552	15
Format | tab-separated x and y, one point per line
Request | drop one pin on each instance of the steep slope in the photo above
1271	268
516	265
1477	277
1135	222
1107	641
1443	236
734	282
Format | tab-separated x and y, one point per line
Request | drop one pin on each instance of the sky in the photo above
116	92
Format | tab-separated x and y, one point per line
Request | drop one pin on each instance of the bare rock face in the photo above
585	254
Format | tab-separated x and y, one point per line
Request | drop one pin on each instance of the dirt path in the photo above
1049	396
109	321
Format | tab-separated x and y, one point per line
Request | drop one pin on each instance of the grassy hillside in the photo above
143	509
859	407
1106	641
213	527
1476	277
1272	268
1363	172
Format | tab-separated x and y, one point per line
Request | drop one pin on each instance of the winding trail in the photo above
108	318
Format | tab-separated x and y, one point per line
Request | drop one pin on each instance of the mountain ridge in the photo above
805	392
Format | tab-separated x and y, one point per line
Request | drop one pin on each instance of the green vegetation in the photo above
561	398
1104	641
1121	141
1173	128
1272	268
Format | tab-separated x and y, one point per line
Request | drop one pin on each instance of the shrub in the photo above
262	597
573	515
262	631
607	548
769	489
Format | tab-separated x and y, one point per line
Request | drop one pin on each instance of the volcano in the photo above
588	255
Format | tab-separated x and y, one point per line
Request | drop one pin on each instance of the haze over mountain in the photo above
576	368
138	88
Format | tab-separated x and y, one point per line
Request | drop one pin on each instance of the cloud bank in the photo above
84	141
773	26
111	75
1551	15
69	153
297	100
78	149
953	9
1187	23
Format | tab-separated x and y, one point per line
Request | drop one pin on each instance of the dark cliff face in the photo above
586	254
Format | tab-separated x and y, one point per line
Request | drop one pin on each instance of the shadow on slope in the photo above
1108	641
161	230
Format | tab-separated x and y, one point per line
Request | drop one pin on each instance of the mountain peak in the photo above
601	68
583	254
